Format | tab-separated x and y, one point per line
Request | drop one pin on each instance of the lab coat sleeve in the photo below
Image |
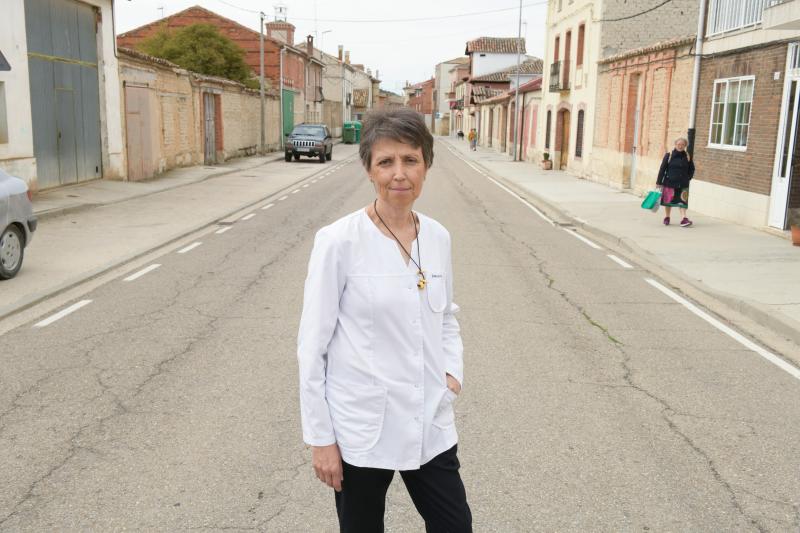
323	290
451	332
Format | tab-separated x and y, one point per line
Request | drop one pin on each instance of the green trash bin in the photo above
351	133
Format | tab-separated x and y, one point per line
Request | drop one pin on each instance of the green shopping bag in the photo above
652	201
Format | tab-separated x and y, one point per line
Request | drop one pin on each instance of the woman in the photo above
473	140
379	348
677	170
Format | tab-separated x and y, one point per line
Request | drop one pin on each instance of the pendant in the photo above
421	283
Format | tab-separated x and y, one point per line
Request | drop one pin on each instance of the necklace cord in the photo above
416	233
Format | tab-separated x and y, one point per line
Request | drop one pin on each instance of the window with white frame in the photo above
729	15
730	112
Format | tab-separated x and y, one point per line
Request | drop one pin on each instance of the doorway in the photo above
562	126
491	127
785	192
632	127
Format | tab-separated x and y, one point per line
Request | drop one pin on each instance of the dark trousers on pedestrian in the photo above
436	490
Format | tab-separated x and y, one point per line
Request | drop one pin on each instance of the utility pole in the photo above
516	93
261	146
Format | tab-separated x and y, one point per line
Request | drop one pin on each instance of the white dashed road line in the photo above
619	261
248	217
282	198
305	186
61	314
267	206
190	247
738	337
295	191
582	239
142	272
223	230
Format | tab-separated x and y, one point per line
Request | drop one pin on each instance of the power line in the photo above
416	19
665	2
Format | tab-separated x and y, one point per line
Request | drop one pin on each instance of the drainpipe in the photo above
698	53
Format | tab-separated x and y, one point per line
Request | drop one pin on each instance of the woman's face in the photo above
680	145
398	172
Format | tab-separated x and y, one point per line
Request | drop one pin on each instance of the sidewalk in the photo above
90	228
751	271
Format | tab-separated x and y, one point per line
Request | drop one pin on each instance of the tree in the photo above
200	48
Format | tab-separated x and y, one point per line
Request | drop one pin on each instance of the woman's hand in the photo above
327	461
453	384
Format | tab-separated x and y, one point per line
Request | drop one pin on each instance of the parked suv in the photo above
310	140
17	223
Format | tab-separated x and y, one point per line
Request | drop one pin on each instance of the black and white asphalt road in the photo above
595	397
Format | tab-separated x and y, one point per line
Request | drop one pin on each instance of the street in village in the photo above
594	398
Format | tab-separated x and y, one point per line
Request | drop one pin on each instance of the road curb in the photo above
39	297
728	308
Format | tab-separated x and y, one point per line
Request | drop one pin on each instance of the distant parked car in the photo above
310	140
17	222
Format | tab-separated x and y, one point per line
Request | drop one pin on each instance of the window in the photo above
728	15
579	135
730	113
557	46
581	37
547	130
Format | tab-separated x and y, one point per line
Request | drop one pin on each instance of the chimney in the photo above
377	74
347	57
341	51
310	45
281	31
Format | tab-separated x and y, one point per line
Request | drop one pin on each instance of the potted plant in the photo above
794	224
546	163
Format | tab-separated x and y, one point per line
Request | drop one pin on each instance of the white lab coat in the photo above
373	349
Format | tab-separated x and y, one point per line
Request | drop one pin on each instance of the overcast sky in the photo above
399	50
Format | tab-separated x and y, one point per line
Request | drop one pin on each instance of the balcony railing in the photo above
559	76
782	15
729	15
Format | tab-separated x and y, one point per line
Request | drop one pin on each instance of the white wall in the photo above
488	63
16	156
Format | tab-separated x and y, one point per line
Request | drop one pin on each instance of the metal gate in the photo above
288	112
138	138
65	91
210	129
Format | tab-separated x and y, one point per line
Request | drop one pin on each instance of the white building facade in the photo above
62	122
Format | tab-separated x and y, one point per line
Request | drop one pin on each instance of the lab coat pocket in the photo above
437	292
445	417
357	414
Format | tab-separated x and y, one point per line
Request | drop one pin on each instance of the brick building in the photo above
747	116
173	117
643	98
419	96
279	35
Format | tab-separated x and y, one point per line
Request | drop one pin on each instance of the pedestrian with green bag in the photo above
677	170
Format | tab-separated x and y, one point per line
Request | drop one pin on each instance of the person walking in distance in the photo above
379	349
473	139
677	170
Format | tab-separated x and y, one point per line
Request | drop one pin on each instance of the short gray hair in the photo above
403	125
684	139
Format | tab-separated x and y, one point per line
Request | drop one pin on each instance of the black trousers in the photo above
436	490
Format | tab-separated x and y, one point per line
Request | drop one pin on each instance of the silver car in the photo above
17	223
